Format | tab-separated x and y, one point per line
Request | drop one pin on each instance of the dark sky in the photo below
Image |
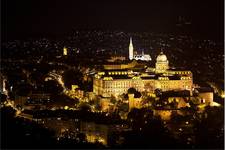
55	17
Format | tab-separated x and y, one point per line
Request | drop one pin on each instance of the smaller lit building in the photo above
75	92
180	99
143	57
135	56
205	94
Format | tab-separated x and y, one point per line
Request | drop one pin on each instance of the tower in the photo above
162	64
64	51
131	50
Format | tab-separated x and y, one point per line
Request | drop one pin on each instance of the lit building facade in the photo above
162	64
65	51
117	81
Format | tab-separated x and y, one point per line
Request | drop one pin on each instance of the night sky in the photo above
53	17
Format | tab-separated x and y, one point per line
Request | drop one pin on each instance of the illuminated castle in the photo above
116	81
142	56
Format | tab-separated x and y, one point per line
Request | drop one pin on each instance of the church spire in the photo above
131	44
131	49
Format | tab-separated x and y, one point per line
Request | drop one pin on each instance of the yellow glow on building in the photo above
74	87
207	97
152	95
136	78
185	78
107	78
64	51
163	78
164	114
101	73
134	102
202	106
120	81
215	104
94	138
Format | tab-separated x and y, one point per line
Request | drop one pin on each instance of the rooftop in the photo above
204	89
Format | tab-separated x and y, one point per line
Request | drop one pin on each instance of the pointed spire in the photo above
161	51
131	50
131	41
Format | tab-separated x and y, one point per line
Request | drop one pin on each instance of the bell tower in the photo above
131	50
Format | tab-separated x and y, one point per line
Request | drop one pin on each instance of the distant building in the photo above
119	66
142	56
3	85
95	132
33	100
116	58
205	94
65	51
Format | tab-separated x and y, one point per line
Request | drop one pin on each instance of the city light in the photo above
125	76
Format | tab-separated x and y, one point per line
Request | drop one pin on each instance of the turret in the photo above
131	50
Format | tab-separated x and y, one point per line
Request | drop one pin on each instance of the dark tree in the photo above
136	93
72	77
52	87
209	130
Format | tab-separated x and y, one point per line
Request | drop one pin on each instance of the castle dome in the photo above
161	58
